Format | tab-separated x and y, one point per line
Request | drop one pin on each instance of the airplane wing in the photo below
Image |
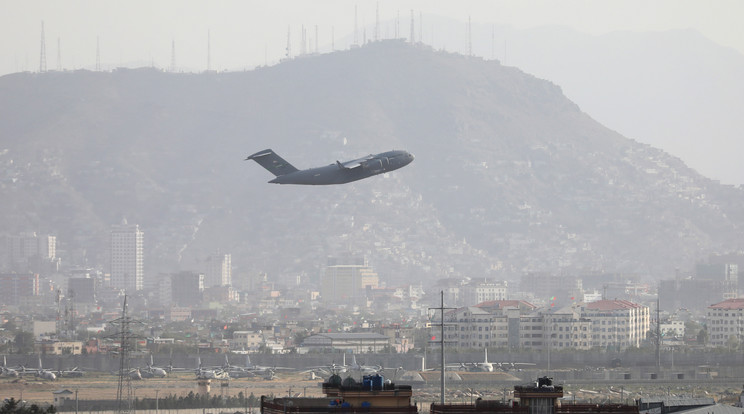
354	163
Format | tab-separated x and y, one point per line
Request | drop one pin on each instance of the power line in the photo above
124	392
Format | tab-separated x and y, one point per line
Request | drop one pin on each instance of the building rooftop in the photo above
502	304
737	303
608	305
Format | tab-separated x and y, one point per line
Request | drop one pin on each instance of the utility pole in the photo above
441	310
658	334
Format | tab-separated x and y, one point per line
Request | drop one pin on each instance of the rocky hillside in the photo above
509	176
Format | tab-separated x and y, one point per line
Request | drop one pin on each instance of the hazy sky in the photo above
248	33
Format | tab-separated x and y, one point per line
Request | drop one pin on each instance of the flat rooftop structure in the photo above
372	395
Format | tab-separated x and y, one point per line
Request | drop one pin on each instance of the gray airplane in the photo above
338	173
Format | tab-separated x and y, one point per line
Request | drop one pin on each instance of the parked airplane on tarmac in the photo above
151	371
71	373
210	373
486	366
338	173
332	369
364	369
41	372
8	372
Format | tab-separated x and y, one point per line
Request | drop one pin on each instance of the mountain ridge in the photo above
509	176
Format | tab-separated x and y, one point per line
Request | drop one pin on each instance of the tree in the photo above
24	342
702	337
11	406
732	342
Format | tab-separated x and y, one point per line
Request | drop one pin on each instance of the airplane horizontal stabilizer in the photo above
272	162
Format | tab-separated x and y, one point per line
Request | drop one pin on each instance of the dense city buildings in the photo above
127	257
29	252
346	279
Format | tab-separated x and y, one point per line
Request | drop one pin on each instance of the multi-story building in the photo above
82	289
187	289
246	340
568	329
221	294
494	324
518	324
15	288
357	343
726	322
617	324
471	327
346	280
484	291
29	252
127	257
218	270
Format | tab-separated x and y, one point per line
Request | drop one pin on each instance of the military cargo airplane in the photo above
8	372
487	366
338	173
41	372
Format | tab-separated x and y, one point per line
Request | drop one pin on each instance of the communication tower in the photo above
289	43
377	21
413	39
173	56
209	51
470	38
356	28
421	27
397	24
59	56
303	41
42	58
98	55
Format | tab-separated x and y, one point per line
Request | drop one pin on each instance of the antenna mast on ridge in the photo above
42	57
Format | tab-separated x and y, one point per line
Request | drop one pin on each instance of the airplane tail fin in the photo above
486	352
272	162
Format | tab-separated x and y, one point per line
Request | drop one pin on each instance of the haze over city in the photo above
549	190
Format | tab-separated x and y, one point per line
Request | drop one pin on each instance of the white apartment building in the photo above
127	257
218	270
512	324
568	330
483	292
617	324
473	327
725	322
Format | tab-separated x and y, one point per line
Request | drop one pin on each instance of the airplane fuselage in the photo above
338	173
